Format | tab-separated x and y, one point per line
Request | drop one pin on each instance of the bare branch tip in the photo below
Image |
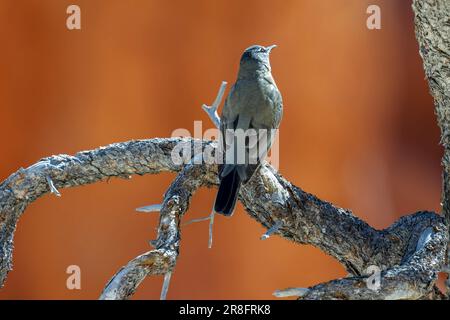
212	110
196	220
291	292
150	208
165	287
272	230
211	222
52	187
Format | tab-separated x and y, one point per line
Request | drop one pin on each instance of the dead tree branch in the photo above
162	260
268	198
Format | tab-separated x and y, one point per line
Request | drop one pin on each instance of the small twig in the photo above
272	230
165	287
212	110
211	222
150	208
291	292
197	220
52	187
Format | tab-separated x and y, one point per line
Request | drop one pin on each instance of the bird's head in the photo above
256	58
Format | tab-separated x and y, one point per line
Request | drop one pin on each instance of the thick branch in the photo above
116	160
412	279
268	198
162	260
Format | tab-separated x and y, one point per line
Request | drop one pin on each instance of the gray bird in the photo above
253	106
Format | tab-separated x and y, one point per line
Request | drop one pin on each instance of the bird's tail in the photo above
228	192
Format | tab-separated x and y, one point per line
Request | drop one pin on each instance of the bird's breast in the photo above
253	99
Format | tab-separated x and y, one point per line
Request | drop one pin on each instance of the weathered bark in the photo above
432	20
268	198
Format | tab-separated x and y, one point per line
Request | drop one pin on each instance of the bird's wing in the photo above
256	115
266	124
228	120
276	102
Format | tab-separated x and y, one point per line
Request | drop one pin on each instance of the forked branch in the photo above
409	254
267	197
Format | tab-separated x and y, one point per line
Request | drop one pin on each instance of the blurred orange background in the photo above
359	130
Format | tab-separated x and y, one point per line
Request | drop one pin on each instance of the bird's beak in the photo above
269	48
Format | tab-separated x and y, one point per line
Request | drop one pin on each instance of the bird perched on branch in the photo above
250	117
